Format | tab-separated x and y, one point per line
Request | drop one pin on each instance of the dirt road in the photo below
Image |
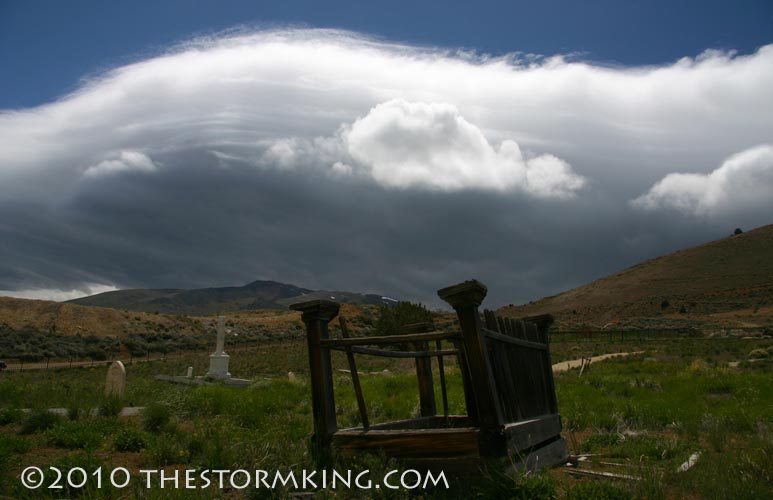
576	363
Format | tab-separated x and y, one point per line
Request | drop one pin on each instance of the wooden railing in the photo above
506	375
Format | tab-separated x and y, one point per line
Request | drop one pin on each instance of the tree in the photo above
392	319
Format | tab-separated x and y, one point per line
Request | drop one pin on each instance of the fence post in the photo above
427	404
316	314
479	390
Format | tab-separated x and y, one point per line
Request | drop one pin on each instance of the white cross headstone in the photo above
218	361
115	383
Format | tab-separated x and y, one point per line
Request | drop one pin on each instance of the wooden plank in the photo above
543	321
529	433
490	319
355	376
436	422
510	322
501	326
417	328
513	340
390	339
396	354
610	475
427	406
471	406
550	455
520	329
442	373
410	443
531	332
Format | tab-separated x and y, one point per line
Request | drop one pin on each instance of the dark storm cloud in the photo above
331	161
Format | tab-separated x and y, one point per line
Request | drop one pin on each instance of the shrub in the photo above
129	439
11	447
166	450
39	420
392	319
111	406
155	417
74	435
10	416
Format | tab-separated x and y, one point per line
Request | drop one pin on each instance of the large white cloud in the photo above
406	144
419	145
743	181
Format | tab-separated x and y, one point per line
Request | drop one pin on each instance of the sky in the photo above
394	148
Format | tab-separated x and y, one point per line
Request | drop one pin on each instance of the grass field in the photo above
646	414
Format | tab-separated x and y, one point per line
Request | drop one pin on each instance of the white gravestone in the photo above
218	360
189	373
115	382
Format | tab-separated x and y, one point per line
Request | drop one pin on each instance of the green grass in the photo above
649	412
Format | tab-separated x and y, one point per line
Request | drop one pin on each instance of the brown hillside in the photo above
727	282
71	319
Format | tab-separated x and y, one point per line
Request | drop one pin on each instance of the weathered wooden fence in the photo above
507	380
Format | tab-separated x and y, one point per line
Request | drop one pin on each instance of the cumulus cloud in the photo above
126	161
744	180
306	155
417	144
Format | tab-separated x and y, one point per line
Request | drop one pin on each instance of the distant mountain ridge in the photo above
206	301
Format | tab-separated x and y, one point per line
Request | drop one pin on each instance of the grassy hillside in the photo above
726	282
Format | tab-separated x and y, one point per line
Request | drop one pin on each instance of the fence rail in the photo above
649	334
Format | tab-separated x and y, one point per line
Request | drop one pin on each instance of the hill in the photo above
61	318
208	301
727	282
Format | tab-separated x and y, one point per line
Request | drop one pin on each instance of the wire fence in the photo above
20	364
658	334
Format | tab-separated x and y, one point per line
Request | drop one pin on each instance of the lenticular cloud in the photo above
512	125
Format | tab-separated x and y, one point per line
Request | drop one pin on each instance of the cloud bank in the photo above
317	157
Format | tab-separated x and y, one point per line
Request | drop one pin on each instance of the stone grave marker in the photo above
115	383
218	360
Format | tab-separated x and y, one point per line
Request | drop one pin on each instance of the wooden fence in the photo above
507	379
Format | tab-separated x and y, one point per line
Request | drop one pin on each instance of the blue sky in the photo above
47	47
394	148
